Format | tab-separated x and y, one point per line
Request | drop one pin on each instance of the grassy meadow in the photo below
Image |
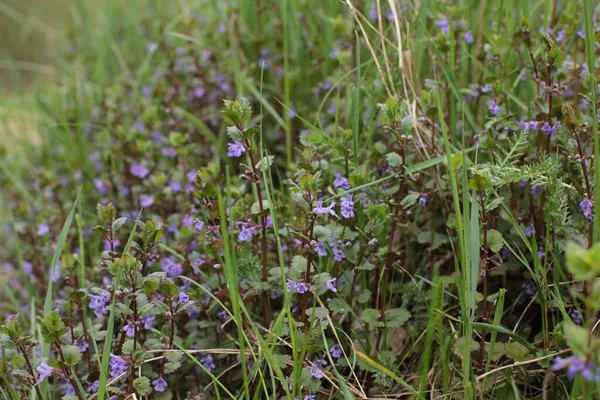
298	199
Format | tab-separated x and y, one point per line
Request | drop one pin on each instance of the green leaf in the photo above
479	182
52	327
339	306
371	317
72	354
394	159
494	240
142	385
235	134
584	264
397	317
265	162
364	296
517	351
577	338
410	199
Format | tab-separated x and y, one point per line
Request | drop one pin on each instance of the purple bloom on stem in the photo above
576	366
117	366
247	232
138	170
338	254
198	225
493	108
289	284
548	129
444	25
45	371
147	321
100	186
168	152
559	363
423	199
98	303
576	317
347	207
320	249
146	200
541	253
129	330
530	230
183	298
159	384
43	229
188	220
315	372
301	287
587	207
235	149
530	289
341	181
319	209
469	37
208	362
331	284
335	351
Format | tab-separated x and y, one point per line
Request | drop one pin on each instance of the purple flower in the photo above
444	25
98	303
235	149
315	372
541	253
548	129
301	287
93	387
331	285
168	152
45	371
159	384
146	200
530	230
319	209
129	330
486	88
43	229
100	186
341	181
188	220
338	254
320	249
208	362
423	199
171	267
117	365
183	298
469	37
138	170
493	108
576	317
559	363
147	321
335	351
587	207
577	365
199	92
530	288
247	231
198	225
373	13
289	284
310	397
347	207
175	185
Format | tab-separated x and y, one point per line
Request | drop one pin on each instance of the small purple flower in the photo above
247	231
98	303
577	365
146	200
198	225
43	229
93	387
301	287
576	317
548	129
289	284
139	171
541	253
347	207
530	288
320	210
493	108
183	298
331	284
423	199
117	365
208	362
444	25
530	230
338	254
587	207
235	149
315	372
341	181
168	152
469	37
147	321
45	371
320	249
188	220
100	186
335	351
559	363
129	330
159	384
